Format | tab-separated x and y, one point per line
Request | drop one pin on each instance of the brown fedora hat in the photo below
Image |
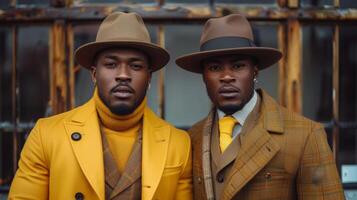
231	34
122	30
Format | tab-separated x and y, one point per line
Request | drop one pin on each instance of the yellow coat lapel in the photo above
88	150
258	148
156	136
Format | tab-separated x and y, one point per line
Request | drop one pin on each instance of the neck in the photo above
118	122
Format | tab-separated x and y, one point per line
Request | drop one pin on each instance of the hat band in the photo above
226	43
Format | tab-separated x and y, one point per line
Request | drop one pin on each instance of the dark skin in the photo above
229	81
122	76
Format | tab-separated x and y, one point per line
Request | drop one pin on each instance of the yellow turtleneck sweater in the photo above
121	131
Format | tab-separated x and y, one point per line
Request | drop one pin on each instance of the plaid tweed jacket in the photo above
128	184
284	156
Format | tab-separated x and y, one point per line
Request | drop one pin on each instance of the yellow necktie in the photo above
226	125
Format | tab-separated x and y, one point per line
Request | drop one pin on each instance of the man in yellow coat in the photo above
114	146
249	147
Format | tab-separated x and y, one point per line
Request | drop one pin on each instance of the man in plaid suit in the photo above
249	147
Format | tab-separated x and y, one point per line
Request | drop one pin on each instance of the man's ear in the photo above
149	80
203	73
203	78
256	71
93	72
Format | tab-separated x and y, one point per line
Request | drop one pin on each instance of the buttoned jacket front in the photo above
63	159
284	156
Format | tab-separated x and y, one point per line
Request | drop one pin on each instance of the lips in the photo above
123	92
228	91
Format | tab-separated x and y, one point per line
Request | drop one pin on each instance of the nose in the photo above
227	75
123	73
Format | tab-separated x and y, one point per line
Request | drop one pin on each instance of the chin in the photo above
122	109
230	108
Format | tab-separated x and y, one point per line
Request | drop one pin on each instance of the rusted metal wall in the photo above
62	14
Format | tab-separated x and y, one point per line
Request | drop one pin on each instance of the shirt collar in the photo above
241	115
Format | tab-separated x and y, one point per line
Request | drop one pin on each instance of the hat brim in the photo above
265	56
158	56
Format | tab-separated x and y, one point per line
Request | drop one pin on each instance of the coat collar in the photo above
271	113
84	112
156	136
88	150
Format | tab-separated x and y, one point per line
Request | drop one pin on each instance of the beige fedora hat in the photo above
122	30
231	34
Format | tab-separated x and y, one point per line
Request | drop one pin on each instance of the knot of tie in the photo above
226	125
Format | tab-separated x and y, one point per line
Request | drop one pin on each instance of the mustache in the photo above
122	86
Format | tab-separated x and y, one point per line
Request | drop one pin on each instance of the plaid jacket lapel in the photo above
112	174
131	174
132	171
258	148
116	183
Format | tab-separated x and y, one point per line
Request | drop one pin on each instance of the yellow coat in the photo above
54	166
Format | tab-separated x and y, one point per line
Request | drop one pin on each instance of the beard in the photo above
231	108
122	109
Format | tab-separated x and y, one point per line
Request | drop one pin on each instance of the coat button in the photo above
268	176
220	178
76	136
79	196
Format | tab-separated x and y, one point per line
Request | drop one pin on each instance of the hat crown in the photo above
122	30
231	34
121	26
234	25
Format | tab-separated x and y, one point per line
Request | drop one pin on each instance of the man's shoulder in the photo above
58	119
176	133
293	119
296	125
196	130
179	140
198	126
288	117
